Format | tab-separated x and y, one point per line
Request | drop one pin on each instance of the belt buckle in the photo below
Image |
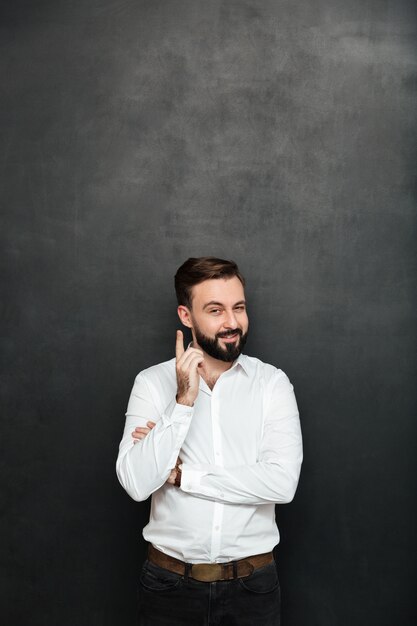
206	572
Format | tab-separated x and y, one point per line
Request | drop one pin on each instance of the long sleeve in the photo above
145	466
274	477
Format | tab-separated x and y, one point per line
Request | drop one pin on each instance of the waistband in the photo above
210	572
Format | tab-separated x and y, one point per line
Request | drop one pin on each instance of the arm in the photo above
144	467
274	477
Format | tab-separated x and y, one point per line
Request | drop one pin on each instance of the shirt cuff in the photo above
177	413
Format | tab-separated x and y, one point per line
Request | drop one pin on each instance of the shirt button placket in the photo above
218	460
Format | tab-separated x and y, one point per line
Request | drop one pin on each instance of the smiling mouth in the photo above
230	338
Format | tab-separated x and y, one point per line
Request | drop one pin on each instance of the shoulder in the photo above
157	383
269	373
154	388
160	371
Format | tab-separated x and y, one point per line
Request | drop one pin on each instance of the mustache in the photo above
229	333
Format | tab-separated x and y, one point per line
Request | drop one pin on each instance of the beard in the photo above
212	347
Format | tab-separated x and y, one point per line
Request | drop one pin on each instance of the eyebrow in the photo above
213	302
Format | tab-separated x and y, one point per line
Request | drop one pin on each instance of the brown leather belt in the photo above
210	572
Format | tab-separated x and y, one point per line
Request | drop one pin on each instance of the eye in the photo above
241	307
215	311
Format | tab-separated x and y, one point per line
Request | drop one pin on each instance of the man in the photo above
218	443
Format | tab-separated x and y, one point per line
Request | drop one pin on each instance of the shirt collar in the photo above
243	362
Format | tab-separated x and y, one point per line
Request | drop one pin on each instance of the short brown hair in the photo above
197	270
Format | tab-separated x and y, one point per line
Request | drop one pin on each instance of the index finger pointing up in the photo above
179	346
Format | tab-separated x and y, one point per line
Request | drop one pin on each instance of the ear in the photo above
185	316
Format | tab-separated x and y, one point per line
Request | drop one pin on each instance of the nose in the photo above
230	321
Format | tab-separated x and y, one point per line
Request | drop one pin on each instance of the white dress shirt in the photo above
241	451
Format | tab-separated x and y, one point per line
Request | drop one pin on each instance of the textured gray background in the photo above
138	133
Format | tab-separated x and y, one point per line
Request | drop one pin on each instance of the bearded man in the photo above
218	444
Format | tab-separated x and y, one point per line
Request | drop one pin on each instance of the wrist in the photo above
184	400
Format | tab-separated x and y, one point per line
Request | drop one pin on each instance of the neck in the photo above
212	369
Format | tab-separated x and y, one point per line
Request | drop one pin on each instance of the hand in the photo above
188	378
175	476
141	432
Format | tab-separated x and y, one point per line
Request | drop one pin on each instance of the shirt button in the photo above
217	528
221	494
188	486
217	453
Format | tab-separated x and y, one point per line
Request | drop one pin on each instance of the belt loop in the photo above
234	563
188	567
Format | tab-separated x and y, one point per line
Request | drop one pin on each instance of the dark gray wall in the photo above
280	134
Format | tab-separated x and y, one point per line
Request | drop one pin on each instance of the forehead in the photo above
227	291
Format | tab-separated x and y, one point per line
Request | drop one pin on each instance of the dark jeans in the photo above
167	599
